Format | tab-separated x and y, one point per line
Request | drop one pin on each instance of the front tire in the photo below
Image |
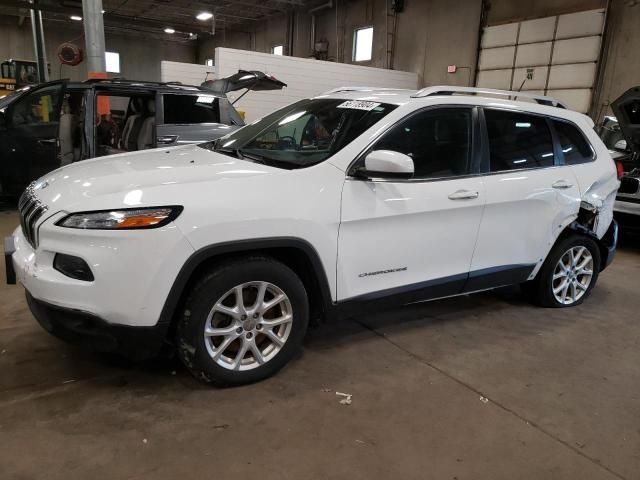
568	274
243	321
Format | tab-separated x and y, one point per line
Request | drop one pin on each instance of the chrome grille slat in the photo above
31	210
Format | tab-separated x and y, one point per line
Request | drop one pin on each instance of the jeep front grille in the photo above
31	209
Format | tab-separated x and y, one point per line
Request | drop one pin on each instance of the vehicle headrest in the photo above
151	105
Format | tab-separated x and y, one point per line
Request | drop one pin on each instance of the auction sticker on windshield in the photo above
358	105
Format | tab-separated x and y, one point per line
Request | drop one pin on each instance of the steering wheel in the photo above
287	142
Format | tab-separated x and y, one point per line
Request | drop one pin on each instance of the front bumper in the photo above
93	333
9	249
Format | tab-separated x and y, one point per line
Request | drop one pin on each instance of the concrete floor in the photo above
476	387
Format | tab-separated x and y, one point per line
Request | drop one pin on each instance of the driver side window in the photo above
38	107
439	142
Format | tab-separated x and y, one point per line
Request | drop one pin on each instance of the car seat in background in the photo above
145	137
66	130
131	130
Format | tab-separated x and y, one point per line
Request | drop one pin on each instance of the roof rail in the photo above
512	95
358	89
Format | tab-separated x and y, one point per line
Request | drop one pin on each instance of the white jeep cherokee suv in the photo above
353	200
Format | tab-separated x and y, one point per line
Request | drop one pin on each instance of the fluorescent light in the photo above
169	30
77	18
204	16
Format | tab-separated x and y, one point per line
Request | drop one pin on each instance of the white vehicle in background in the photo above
350	201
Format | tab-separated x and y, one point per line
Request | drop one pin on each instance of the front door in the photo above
31	137
530	199
416	237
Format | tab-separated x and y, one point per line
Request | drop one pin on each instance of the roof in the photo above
527	101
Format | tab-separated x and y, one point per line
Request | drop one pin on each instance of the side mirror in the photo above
387	164
621	145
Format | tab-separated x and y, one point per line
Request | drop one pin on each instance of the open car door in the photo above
627	110
248	79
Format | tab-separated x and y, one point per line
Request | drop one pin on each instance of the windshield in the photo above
302	134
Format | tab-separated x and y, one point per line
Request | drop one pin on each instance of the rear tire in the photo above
243	321
568	274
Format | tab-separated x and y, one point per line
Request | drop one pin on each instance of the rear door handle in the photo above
47	140
463	195
561	184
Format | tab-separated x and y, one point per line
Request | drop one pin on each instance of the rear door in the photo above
530	198
30	141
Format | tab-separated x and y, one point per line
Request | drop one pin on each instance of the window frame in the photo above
355	44
476	148
558	156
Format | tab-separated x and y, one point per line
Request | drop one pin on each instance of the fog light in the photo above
73	267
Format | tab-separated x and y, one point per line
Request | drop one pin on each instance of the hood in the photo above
249	79
147	178
627	110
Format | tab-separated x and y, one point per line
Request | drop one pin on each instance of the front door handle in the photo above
47	140
463	195
561	184
166	139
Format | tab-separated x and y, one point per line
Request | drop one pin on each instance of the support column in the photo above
94	37
38	42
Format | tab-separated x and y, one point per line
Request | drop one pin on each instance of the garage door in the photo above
556	56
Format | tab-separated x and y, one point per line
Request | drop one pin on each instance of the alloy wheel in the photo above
248	325
572	275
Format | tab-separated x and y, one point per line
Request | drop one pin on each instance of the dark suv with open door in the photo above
57	123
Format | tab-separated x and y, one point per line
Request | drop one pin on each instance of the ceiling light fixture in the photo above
169	30
204	16
77	18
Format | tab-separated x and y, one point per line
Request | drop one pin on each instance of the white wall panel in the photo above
499	35
538	30
304	78
575	50
579	75
560	53
538	81
576	99
187	73
501	57
533	54
500	79
580	24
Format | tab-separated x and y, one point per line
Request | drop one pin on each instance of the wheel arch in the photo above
607	244
296	253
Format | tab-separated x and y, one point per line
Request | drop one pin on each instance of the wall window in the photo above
362	44
112	61
575	147
438	141
518	140
209	62
188	109
277	50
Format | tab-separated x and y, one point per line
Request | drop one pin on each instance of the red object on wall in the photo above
69	54
451	69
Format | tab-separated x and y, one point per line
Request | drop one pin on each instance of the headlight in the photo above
125	219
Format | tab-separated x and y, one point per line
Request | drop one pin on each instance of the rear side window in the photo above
575	147
189	109
518	140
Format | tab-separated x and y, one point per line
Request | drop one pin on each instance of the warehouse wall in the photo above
139	57
505	11
621	54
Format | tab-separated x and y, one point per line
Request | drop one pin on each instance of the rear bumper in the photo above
93	333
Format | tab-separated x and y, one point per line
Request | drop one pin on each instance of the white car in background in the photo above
346	202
